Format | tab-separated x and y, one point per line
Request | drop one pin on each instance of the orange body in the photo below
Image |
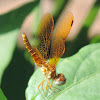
47	69
37	57
48	48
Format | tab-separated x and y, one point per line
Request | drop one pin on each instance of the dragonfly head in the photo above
60	79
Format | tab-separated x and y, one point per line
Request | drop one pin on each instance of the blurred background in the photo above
85	30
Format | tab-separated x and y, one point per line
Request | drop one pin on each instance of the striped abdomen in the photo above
37	57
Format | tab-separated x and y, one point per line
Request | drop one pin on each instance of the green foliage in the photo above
83	77
16	76
95	40
10	24
2	97
7	45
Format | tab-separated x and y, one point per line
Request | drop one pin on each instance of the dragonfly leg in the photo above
50	85
47	87
53	87
42	87
50	92
56	88
47	84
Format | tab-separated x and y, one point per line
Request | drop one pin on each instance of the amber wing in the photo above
58	41
43	35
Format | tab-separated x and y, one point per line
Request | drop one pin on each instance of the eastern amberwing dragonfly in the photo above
50	46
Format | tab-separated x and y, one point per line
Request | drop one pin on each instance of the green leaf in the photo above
86	89
82	71
16	76
95	39
10	24
7	45
2	97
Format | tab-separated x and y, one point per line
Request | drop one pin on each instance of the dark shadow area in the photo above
16	76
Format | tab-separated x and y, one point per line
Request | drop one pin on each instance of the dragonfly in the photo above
50	48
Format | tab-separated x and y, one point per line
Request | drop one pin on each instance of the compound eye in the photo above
60	79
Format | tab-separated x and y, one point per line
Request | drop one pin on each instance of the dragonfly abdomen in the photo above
27	45
33	51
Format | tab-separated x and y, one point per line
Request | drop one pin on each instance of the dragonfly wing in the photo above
43	35
58	41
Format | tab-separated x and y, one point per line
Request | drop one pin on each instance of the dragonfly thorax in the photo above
48	71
